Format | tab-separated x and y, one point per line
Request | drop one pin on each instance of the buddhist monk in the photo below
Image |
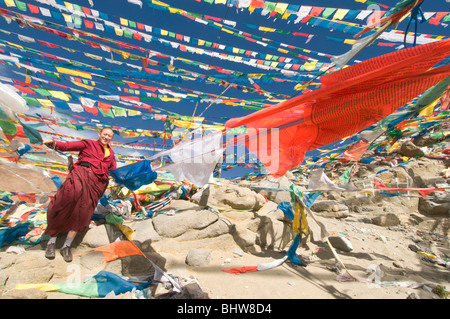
73	205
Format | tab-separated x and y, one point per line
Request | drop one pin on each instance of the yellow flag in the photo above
281	7
123	21
119	32
67	18
45	102
10	3
69	5
428	110
267	29
300	223
59	95
73	72
159	3
44	287
340	14
82	85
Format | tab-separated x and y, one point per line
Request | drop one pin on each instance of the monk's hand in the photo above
49	143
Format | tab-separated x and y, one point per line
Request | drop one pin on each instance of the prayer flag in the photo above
354	152
422	191
117	250
349	100
135	175
195	159
100	285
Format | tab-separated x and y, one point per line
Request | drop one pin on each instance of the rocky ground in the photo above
395	247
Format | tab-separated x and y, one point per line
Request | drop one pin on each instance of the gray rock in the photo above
237	216
193	291
24	294
216	229
92	260
330	208
29	268
198	257
426	140
273	233
276	196
436	204
341	243
386	219
413	295
408	149
144	232
177	224
245	238
425	172
98	236
415	248
229	197
179	204
7	260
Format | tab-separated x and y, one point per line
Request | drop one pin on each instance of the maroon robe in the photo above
74	203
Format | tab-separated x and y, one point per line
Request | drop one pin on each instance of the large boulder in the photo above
386	219
198	257
274	228
100	235
395	177
228	197
216	229
174	225
275	195
426	172
31	293
408	149
145	233
427	140
29	268
330	208
436	204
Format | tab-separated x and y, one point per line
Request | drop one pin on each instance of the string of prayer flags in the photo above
423	191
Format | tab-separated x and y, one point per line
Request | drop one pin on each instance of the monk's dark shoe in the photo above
50	251
67	254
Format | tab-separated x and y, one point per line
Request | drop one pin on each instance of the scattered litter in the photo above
15	250
341	243
238	252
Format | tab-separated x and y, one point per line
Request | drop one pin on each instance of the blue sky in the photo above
179	67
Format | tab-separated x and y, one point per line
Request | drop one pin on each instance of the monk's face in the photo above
105	136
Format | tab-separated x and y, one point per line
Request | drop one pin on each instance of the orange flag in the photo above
29	198
117	250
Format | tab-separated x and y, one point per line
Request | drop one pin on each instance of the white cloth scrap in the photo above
196	159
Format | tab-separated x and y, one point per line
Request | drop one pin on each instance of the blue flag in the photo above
135	175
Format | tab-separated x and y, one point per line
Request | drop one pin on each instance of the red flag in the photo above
349	101
354	152
241	270
422	191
